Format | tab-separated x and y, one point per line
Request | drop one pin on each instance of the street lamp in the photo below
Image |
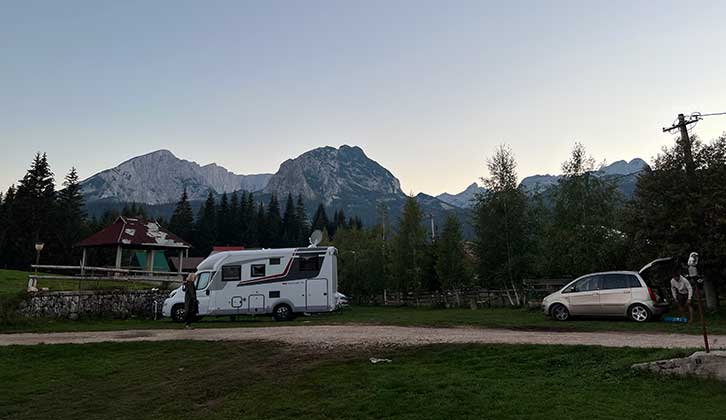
38	248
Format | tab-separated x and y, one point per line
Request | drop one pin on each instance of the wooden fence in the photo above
87	274
529	296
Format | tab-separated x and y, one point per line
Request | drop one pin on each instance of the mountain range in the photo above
625	175
341	179
160	177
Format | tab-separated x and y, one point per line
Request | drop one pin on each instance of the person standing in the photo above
191	306
682	294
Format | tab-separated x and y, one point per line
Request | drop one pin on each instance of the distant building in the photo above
189	264
140	237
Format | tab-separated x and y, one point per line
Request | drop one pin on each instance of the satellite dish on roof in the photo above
315	238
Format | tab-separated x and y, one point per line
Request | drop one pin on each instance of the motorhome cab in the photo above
281	282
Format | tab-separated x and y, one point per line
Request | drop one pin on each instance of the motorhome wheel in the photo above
282	312
177	312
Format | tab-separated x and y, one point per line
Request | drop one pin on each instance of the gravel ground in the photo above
363	335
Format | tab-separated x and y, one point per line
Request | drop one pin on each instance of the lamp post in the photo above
38	247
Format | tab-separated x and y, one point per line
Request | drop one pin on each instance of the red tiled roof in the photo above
130	233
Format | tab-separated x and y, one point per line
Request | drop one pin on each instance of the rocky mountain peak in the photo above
327	174
463	199
159	177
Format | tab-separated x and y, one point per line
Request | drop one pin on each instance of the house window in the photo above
275	261
257	270
232	273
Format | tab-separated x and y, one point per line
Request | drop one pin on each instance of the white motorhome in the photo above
281	282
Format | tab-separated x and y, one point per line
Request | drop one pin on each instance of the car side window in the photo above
587	284
615	281
634	282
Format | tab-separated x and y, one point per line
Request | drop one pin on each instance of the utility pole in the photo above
682	125
686	143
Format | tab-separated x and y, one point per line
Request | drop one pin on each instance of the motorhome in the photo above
281	282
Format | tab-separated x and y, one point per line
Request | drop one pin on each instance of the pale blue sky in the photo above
427	88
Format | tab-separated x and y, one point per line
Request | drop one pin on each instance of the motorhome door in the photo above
317	294
202	286
257	304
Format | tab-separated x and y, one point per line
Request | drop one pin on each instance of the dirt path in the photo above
362	335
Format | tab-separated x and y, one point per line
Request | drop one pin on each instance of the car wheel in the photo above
639	313
559	312
177	312
282	312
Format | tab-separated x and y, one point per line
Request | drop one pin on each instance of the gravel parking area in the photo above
363	335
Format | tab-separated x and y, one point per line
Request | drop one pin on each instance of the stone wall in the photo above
92	304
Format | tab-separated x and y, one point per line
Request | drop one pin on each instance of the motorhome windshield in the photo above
203	279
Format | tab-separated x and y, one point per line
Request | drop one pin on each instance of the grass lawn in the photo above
217	380
485	318
11	282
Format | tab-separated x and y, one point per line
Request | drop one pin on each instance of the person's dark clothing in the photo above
190	303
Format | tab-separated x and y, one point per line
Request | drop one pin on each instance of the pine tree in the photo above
408	252
274	222
234	219
34	207
340	221
6	218
224	228
182	221
302	221
290	228
243	219
450	264
206	226
263	238
320	219
252	235
70	226
135	211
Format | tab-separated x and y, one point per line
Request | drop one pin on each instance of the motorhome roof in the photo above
213	262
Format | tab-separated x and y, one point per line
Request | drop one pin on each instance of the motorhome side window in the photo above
275	261
309	264
232	273
257	270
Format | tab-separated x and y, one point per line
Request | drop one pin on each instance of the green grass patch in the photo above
218	380
518	319
13	282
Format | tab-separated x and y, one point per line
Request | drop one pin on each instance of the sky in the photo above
428	89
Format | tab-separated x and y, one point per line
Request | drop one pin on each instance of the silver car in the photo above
613	293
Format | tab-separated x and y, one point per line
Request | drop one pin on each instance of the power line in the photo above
699	115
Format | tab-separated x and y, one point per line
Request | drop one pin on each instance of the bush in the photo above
9	305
